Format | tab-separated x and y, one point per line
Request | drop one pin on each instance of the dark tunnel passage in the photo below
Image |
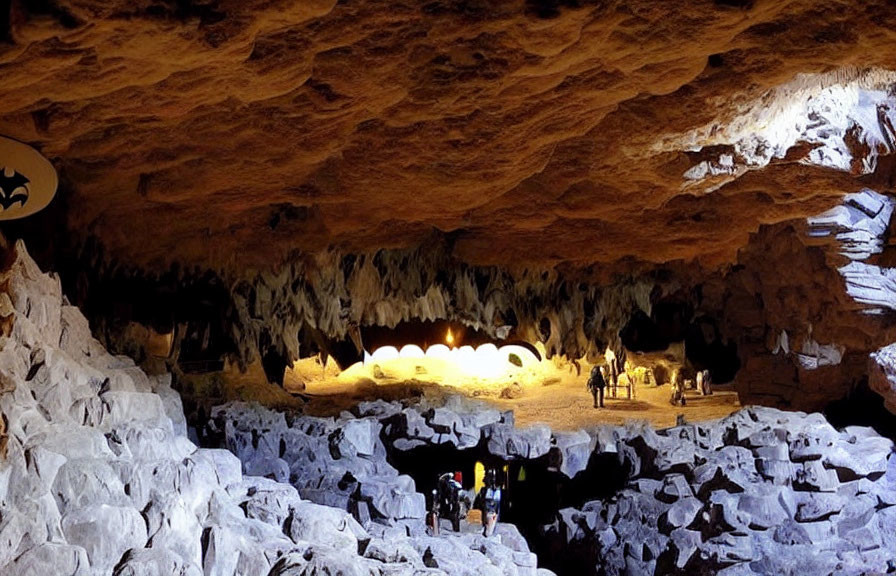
667	323
862	407
672	321
705	347
534	491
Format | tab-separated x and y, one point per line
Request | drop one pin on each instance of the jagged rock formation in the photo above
319	304
804	314
343	292
341	462
317	455
759	492
259	150
97	476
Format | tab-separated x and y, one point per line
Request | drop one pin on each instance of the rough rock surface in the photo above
97	476
342	461
593	138
759	492
540	131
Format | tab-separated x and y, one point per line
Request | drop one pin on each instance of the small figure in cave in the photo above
613	370
706	389
677	398
452	503
488	501
699	379
596	385
432	517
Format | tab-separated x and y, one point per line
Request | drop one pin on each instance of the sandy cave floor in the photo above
563	406
559	398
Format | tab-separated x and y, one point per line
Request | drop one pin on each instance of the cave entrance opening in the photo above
533	493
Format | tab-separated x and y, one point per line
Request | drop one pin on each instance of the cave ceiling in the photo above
539	133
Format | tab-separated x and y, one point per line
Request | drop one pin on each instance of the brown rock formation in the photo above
232	133
579	159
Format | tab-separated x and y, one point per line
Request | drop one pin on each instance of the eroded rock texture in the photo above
759	492
538	131
97	476
278	171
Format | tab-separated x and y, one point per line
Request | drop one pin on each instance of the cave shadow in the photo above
862	407
534	492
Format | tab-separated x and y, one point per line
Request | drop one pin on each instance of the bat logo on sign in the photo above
13	189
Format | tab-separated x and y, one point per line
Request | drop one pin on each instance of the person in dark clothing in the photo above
596	385
452	503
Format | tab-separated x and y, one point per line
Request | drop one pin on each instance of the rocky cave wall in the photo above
261	178
785	280
539	131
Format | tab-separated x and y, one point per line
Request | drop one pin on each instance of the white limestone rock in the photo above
105	532
155	561
51	558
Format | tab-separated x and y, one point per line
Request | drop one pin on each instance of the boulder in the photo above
510	443
51	558
356	437
324	525
576	448
105	532
154	561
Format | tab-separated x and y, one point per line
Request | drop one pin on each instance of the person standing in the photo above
489	502
707	383
612	370
596	385
677	398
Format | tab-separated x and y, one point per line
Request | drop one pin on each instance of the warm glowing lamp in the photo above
449	337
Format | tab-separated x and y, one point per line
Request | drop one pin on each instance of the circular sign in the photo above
27	180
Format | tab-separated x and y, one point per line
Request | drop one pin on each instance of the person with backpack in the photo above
596	385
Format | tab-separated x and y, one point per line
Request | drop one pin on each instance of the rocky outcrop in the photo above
882	375
759	492
97	476
802	331
342	462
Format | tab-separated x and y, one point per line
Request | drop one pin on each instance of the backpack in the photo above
596	380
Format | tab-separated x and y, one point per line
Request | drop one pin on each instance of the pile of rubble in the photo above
759	492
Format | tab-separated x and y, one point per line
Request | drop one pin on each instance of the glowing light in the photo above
449	337
385	353
411	351
453	365
438	351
